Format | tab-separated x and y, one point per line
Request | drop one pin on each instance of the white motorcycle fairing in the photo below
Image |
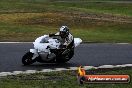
43	42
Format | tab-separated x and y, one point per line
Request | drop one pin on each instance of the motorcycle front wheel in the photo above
65	58
27	59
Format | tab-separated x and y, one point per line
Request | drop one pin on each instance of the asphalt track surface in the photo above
95	54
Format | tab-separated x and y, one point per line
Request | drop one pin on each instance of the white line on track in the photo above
62	69
123	43
84	42
15	42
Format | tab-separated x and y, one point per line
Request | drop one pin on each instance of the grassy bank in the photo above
63	79
95	21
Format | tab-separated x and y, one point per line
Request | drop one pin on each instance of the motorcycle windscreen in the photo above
77	41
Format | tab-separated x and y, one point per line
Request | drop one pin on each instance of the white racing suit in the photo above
68	41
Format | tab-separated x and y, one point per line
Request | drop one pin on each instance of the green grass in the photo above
97	7
92	34
95	21
62	79
23	32
46	5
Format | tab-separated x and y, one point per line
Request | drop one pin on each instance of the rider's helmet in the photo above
64	31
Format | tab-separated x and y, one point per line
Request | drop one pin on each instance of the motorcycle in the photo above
48	50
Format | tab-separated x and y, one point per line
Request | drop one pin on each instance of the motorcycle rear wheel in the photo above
27	59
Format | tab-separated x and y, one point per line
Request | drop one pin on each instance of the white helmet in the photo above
64	31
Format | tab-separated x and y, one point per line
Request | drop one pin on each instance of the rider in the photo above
66	39
66	36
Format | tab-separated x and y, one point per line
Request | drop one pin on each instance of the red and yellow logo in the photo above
82	77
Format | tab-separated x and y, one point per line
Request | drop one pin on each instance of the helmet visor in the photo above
62	34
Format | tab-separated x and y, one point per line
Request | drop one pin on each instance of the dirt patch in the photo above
74	19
